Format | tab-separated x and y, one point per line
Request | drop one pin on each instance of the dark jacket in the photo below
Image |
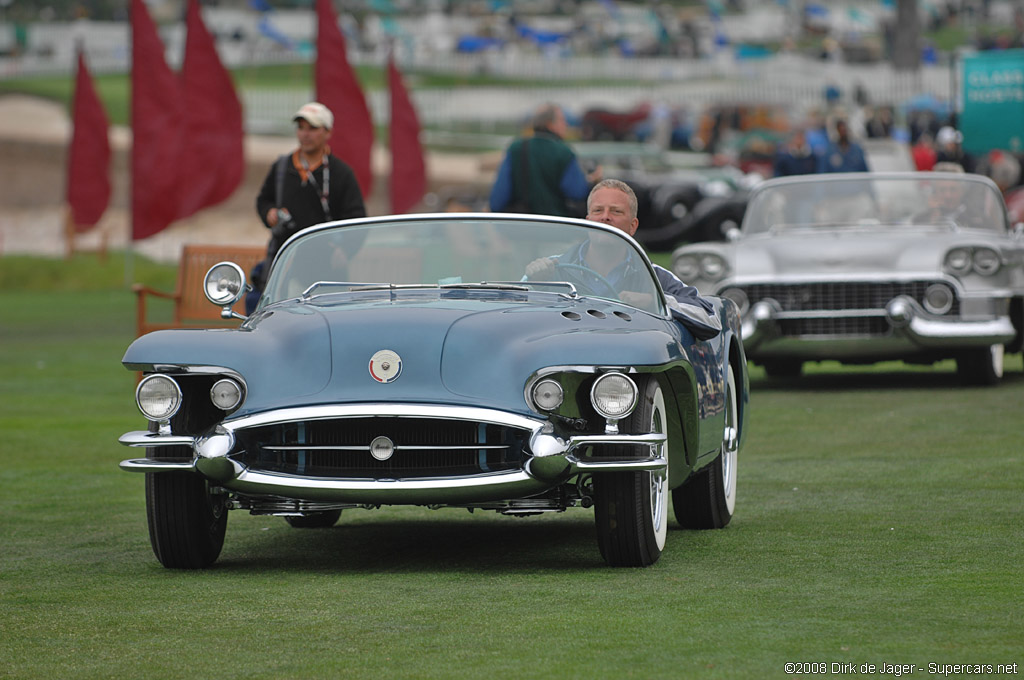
345	200
789	163
554	181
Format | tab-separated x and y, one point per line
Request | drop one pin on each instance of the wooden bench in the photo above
191	308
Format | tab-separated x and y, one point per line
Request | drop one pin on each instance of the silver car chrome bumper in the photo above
551	460
912	329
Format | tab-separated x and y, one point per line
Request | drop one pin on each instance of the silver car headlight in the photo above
985	261
613	395
224	284
686	267
712	267
547	395
958	261
226	394
158	397
739	296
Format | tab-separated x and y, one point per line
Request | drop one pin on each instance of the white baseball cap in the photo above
948	135
316	114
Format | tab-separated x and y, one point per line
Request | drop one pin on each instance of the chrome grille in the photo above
838	297
423	447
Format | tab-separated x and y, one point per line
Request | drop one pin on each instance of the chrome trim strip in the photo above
151	465
145	438
375	410
651	439
624	465
804	279
464	447
186	369
390	492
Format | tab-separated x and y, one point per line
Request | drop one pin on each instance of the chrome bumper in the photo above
551	460
913	329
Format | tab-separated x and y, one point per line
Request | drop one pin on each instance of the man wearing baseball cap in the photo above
306	187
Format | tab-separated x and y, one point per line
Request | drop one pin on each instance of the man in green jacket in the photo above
541	174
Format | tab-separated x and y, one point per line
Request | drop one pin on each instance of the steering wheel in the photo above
614	293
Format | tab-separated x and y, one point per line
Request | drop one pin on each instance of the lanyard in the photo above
326	192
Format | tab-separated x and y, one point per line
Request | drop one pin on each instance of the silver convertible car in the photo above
865	267
409	361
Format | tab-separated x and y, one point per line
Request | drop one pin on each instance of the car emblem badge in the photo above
382	448
385	366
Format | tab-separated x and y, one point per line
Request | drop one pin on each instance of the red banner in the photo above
158	124
212	160
338	89
408	173
88	189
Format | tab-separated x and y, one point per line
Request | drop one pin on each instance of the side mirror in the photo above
730	231
225	285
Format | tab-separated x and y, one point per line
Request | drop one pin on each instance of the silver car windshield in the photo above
940	200
464	253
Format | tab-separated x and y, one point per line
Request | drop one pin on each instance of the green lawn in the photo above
879	520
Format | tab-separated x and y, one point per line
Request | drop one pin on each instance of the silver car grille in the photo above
422	447
858	308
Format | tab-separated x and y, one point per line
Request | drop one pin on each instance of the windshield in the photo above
944	200
466	252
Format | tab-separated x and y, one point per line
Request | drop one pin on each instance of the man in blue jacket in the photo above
843	154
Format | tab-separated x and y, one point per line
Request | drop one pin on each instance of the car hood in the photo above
458	352
842	252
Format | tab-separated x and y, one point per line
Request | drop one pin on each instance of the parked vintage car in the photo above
407	361
865	267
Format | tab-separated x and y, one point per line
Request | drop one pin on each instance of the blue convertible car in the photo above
408	360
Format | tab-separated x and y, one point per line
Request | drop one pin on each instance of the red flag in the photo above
212	160
408	174
158	115
88	190
337	89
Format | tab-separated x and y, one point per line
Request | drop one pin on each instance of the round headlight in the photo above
224	284
686	267
613	395
547	395
986	261
158	397
738	296
938	299
712	267
958	260
226	394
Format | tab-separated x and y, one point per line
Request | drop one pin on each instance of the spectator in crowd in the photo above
303	188
842	154
541	174
795	157
950	150
1001	167
923	152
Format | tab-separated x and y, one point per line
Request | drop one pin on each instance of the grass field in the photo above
879	521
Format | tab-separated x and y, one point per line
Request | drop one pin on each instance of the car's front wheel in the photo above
981	366
631	508
187	522
707	500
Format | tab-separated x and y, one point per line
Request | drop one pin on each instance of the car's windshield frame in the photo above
470	252
938	200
